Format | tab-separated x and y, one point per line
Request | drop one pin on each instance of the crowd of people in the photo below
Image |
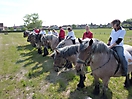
62	33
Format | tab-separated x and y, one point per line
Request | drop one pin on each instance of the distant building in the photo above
1	27
82	26
54	27
45	27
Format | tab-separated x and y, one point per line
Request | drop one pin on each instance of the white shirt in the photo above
49	32
42	32
71	34
117	34
55	33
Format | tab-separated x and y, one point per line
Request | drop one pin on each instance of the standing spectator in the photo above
49	32
88	33
43	32
54	32
61	34
71	35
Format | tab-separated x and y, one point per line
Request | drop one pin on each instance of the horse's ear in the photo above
90	42
80	41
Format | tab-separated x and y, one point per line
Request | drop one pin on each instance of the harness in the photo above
88	60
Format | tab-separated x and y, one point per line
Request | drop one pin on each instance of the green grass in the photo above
24	74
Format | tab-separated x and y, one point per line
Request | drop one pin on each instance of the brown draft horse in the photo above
102	62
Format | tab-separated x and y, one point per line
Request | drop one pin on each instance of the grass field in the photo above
24	74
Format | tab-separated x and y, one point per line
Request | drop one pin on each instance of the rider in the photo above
115	42
61	34
71	35
54	32
49	31
43	32
88	33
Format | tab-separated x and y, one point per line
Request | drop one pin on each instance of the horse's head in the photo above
84	54
31	39
59	61
26	33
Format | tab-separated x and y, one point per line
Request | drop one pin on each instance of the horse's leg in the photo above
45	51
127	81
105	88
96	90
33	44
68	64
39	51
81	82
131	78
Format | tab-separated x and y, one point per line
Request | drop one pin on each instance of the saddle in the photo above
117	59
128	58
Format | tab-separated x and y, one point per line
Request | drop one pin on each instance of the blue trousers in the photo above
120	52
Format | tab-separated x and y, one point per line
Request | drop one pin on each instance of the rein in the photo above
101	65
89	58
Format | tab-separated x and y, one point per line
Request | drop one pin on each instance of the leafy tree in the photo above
73	26
127	23
11	29
32	20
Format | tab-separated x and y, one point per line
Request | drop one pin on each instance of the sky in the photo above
65	12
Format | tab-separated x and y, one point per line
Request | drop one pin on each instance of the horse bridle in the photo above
89	58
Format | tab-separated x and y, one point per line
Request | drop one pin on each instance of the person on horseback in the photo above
61	34
54	32
43	32
115	42
71	35
49	31
88	33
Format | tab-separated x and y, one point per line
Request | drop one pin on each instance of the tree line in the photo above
32	20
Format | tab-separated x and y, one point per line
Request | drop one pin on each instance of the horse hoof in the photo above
78	88
80	85
126	86
103	97
96	92
130	81
44	55
39	52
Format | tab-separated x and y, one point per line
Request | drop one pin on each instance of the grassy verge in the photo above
25	74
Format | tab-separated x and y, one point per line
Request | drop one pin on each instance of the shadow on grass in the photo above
129	92
25	47
43	66
87	93
39	65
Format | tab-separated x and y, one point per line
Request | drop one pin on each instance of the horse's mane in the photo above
62	43
99	47
68	50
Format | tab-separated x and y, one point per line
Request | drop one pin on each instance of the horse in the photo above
31	38
103	64
40	44
66	54
26	33
50	40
